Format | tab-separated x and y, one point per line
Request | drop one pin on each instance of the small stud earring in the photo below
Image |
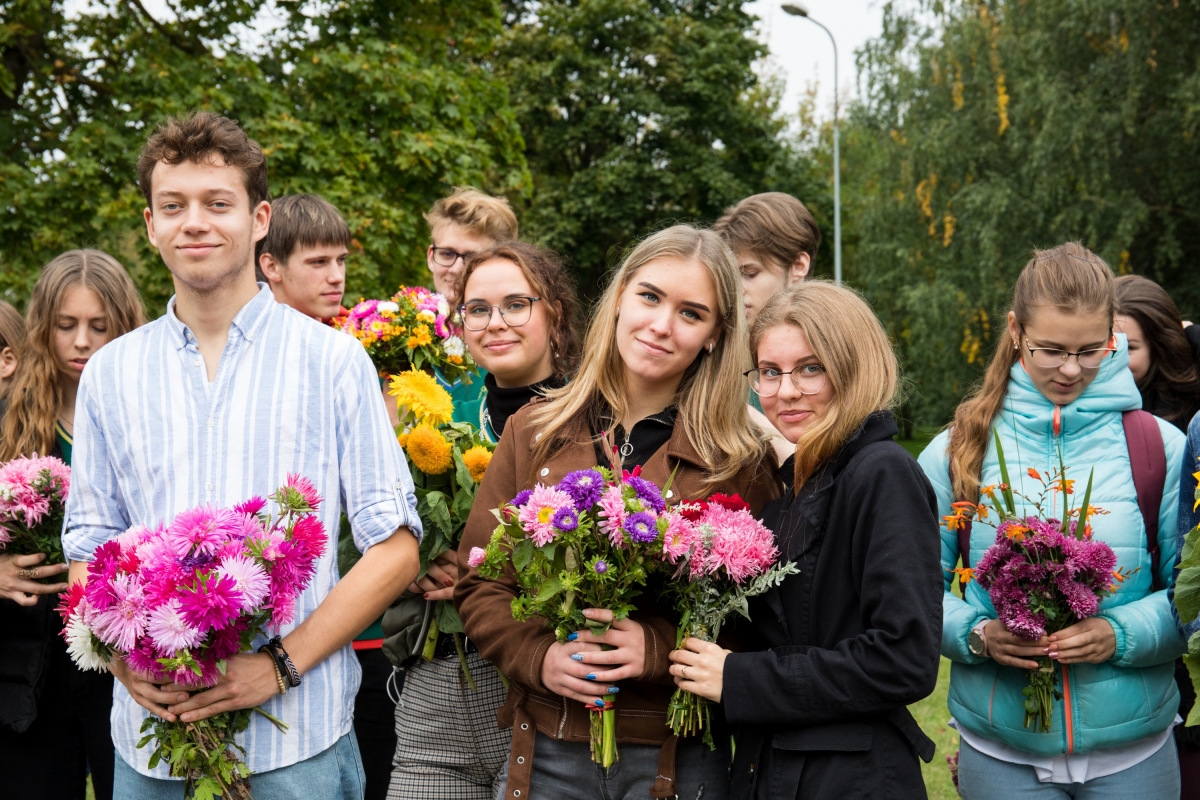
710	347
1015	345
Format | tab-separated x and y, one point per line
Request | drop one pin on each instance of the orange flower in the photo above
982	511
964	574
990	492
1033	473
1064	485
1016	532
963	505
954	522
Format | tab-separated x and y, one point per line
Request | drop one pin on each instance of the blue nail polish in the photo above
591	676
613	690
572	637
577	656
600	703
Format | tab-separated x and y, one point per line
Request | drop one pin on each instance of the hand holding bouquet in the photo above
588	541
175	602
1043	572
725	556
33	494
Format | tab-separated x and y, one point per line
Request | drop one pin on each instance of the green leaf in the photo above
522	554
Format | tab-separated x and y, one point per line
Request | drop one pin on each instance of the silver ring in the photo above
683	672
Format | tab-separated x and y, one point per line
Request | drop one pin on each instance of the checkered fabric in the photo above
448	745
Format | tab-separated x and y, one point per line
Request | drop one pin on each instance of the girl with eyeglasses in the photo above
845	645
659	380
1060	381
519	312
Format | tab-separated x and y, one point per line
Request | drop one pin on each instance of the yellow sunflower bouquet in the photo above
448	461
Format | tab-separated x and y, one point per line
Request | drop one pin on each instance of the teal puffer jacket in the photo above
1133	694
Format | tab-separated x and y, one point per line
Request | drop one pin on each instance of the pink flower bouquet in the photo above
588	541
33	493
723	557
175	602
412	329
1044	572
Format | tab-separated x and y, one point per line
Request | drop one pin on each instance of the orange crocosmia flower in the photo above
990	491
1033	473
1118	577
964	574
982	511
1087	531
1064	485
1016	532
963	505
954	521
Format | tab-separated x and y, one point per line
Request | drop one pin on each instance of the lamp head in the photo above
795	9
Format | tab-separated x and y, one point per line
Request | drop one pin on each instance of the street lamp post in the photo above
797	10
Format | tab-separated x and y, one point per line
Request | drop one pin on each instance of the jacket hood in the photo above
1113	390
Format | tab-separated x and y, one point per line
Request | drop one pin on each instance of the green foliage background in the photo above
984	129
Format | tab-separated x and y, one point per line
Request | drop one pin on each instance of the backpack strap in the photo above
1148	460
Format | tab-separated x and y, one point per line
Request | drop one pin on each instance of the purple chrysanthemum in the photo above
648	493
522	497
584	486
641	527
565	519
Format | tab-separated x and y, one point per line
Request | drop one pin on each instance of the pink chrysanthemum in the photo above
249	579
124	620
212	602
741	545
304	486
143	659
308	534
169	631
680	537
201	530
538	514
612	515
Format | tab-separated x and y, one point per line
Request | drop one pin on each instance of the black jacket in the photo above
851	640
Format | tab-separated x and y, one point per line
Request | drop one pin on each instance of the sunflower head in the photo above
421	394
476	460
428	450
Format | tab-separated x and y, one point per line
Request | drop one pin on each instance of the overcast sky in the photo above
802	51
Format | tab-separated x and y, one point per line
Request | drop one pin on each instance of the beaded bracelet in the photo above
283	662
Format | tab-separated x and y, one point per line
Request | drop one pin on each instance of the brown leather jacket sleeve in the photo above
516	648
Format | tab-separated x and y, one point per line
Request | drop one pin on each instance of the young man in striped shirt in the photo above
215	402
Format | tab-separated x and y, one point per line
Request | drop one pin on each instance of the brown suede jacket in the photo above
518	648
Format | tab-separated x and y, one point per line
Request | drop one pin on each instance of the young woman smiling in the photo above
518	310
845	645
54	727
660	380
1059	382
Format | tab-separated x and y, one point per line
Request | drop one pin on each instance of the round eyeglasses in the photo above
514	312
445	257
806	378
1053	357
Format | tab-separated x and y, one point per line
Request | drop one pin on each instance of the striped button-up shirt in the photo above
153	437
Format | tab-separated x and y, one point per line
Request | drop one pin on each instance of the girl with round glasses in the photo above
1059	382
660	379
844	646
519	311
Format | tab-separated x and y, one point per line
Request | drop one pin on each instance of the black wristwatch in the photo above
282	660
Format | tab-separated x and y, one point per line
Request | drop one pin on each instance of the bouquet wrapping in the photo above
1043	572
411	330
449	459
33	494
176	601
588	541
724	556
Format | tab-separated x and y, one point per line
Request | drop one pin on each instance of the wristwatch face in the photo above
975	643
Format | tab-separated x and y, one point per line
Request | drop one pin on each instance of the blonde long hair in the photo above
1069	277
711	396
35	398
847	339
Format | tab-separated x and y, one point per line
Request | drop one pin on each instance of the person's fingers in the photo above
440	594
427	584
598	614
448	558
440	575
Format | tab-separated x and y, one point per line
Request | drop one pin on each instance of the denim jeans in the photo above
981	777
565	771
333	774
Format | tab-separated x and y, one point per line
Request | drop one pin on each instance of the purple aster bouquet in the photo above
588	541
33	493
1044	572
175	602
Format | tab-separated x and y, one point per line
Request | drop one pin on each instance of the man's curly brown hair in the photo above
202	137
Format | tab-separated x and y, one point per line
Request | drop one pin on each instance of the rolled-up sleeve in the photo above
377	488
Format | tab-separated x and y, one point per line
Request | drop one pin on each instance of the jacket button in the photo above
670	493
524	726
545	471
516	792
520	759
